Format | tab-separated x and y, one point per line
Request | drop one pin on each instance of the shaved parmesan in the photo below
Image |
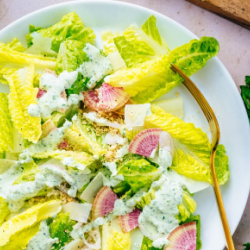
135	114
78	211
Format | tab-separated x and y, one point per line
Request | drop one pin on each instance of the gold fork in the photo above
215	132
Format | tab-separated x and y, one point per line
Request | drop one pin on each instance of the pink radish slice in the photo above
63	145
146	142
104	202
91	99
40	93
183	237
130	221
111	98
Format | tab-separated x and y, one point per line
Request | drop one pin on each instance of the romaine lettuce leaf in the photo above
187	207
153	78
196	164
29	171
108	41
139	45
96	143
20	239
16	45
193	56
76	140
6	71
138	172
70	56
78	157
186	133
41	45
69	28
4	210
6	126
22	94
147	244
28	219
10	58
60	228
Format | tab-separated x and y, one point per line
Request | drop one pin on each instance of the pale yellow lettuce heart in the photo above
22	94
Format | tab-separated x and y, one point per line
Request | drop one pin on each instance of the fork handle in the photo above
230	244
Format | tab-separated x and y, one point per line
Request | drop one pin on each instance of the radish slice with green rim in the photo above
183	237
111	98
104	202
146	142
130	221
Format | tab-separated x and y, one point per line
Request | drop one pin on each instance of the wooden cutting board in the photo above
237	11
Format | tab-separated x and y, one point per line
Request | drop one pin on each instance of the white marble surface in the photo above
234	41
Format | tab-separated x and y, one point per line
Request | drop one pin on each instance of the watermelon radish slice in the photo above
40	93
91	99
111	98
146	142
130	221
104	202
47	127
183	237
63	145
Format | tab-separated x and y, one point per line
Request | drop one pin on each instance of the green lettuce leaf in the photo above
29	171
186	133
19	101
70	56
6	72
21	239
195	164
69	28
4	210
78	157
60	228
41	45
16	45
6	126
187	207
12	59
194	55
138	172
197	219
97	144
147	244
153	78
108	41
139	45
27	219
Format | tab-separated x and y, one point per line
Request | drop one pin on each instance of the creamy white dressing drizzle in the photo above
53	99
51	141
122	207
96	67
42	240
112	167
157	219
92	117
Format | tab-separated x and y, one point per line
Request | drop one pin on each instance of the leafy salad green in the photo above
87	159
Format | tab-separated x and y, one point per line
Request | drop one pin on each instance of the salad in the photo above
89	158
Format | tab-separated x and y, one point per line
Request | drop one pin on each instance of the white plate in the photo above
213	80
